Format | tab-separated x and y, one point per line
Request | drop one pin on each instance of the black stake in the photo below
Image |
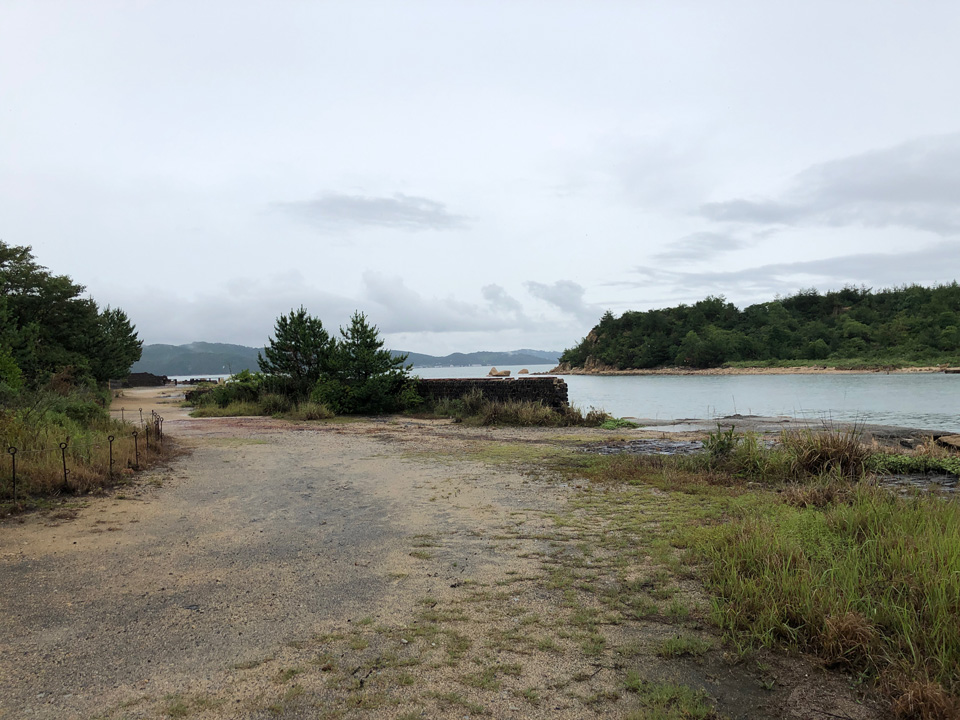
110	440
63	456
13	460
136	450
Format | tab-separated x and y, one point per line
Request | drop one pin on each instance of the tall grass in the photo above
530	414
872	583
816	557
268	405
473	408
41	423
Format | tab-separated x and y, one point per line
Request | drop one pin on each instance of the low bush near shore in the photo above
473	409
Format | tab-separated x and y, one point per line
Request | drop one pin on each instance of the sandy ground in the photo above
394	568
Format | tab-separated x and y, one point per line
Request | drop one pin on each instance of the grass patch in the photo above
812	557
683	646
474	409
870	584
618	424
668	701
37	424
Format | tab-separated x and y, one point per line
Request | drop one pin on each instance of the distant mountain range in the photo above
201	358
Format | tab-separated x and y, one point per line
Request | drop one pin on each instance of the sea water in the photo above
920	400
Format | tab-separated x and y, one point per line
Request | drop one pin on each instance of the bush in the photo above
474	409
274	404
834	451
311	411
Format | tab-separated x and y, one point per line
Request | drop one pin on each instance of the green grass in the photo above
474	409
264	407
668	701
618	424
814	557
682	645
38	424
871	584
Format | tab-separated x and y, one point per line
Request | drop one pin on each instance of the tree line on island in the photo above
849	327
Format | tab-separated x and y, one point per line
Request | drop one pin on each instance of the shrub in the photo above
838	452
274	404
311	411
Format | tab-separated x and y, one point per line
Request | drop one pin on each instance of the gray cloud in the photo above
565	295
937	264
500	300
400	212
913	185
700	246
404	310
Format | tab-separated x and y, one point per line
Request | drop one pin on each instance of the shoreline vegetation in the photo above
850	329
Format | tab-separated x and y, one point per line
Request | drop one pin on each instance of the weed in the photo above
618	424
839	452
720	444
286	675
457	700
531	695
870	583
358	642
681	646
668	701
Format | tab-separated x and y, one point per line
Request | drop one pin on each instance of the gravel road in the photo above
271	550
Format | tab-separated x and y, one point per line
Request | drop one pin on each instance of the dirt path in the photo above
370	569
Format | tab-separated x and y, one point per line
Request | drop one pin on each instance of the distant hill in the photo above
512	357
201	358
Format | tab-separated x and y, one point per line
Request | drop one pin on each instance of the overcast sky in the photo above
475	175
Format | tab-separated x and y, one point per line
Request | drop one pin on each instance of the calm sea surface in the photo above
928	401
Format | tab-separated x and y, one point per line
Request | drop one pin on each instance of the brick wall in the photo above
551	391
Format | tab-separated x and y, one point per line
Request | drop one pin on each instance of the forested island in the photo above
852	327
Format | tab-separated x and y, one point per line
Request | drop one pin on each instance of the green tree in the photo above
46	325
299	353
115	347
364	377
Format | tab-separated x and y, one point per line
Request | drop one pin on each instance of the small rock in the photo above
952	441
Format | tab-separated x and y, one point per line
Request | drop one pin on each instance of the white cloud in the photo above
398	212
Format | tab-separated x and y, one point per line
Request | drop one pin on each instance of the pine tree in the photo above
364	378
300	351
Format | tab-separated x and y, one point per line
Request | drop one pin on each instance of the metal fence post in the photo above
13	461
136	450
110	440
63	456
